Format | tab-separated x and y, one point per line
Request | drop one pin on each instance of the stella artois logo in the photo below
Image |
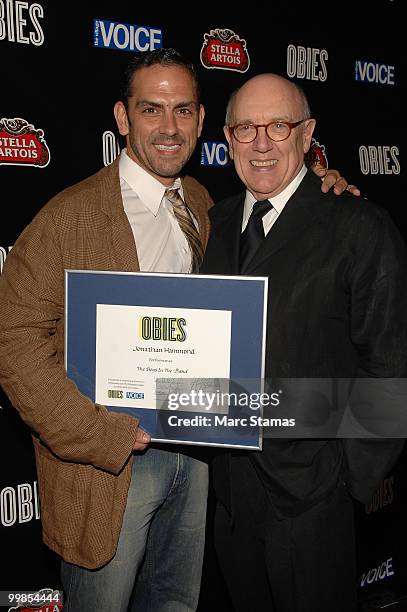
49	607
316	155
22	145
44	600
225	50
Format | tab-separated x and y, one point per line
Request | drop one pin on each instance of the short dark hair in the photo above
158	57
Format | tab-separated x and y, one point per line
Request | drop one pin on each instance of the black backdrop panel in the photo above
60	73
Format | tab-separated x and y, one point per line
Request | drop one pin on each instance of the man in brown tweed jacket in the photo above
112	508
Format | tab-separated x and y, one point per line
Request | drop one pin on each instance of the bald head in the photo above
270	84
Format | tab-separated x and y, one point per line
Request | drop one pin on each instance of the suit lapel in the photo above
119	233
228	227
299	213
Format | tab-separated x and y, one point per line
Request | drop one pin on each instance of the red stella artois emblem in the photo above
44	600
225	50
316	155
49	607
22	145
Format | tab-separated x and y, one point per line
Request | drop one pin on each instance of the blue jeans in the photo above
161	544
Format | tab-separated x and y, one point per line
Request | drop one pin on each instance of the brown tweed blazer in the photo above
83	452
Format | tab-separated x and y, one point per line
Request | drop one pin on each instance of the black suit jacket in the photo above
337	270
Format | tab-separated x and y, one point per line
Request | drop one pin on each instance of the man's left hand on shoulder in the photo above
332	179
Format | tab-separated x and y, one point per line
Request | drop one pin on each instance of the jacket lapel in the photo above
119	234
299	213
227	227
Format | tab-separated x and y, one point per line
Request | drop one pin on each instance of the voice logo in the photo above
307	63
382	571
125	37
214	154
134	395
371	72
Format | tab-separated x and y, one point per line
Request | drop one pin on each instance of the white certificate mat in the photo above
135	345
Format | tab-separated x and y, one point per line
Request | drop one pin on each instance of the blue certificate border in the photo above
245	297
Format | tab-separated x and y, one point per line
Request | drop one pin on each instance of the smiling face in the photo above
267	167
163	121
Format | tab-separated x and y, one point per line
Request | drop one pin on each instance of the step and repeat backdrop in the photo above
60	73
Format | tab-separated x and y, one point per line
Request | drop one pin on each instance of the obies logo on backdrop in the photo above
125	36
19	504
225	50
22	145
383	496
316	155
307	63
4	251
214	154
379	159
111	147
19	22
371	72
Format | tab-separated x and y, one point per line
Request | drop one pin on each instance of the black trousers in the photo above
301	564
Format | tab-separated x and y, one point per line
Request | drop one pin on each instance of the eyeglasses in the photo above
275	130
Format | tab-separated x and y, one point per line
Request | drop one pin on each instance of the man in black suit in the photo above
336	310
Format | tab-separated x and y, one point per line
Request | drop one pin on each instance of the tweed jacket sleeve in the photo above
32	368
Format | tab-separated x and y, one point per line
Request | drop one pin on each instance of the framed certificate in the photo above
183	353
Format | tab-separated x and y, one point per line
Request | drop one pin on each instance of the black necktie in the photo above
253	235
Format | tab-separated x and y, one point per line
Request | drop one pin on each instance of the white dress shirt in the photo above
161	244
278	202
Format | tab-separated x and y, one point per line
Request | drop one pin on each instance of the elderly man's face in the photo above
163	121
267	167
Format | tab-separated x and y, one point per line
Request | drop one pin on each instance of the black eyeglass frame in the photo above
291	125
